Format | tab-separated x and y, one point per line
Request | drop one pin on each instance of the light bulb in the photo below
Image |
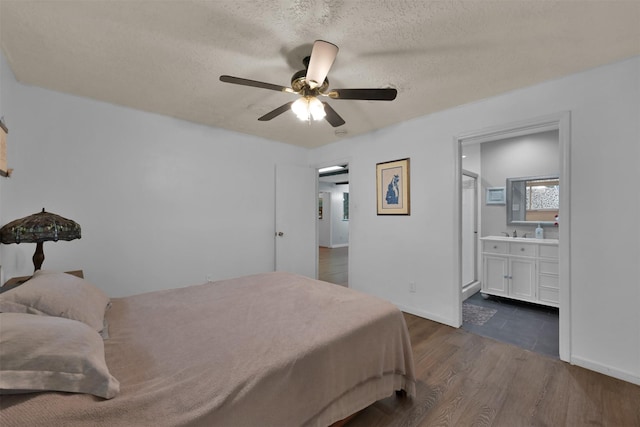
316	108
307	107
301	108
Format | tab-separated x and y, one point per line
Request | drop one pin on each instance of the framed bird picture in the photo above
392	185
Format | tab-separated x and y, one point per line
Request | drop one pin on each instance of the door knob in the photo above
279	234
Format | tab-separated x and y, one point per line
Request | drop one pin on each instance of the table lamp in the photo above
39	228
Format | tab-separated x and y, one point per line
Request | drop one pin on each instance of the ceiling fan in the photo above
311	83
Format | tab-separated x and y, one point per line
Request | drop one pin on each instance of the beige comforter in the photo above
273	349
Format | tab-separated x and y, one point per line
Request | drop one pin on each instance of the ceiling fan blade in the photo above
332	117
255	83
322	56
275	113
388	94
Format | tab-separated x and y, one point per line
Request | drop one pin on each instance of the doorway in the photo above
295	248
333	224
559	122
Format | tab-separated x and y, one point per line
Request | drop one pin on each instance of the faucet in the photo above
515	233
506	234
524	235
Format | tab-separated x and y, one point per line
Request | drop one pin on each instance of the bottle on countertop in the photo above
539	232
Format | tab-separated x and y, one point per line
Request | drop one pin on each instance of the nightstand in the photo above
15	281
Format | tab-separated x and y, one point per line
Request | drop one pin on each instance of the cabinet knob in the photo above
522	249
495	246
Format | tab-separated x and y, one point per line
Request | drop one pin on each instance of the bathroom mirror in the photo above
533	200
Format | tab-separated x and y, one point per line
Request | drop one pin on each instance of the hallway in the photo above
333	265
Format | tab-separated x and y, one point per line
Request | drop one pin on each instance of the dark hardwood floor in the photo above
468	380
333	265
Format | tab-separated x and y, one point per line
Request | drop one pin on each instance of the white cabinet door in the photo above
495	275
548	279
526	271
522	273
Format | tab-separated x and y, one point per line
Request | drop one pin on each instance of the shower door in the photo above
469	228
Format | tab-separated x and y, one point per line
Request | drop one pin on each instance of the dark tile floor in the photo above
530	326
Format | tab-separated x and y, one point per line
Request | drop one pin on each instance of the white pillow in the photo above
58	294
46	353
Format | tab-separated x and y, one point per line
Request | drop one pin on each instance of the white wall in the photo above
161	202
340	227
324	223
333	230
2	91
529	155
386	253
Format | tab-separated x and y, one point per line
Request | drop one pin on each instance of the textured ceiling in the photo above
166	56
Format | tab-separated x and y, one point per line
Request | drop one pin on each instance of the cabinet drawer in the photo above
549	295
495	247
548	251
522	249
548	281
547	267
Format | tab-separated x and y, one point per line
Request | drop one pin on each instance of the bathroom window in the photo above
542	195
533	199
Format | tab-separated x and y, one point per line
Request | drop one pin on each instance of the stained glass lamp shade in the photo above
39	228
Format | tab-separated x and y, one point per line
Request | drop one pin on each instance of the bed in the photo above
273	349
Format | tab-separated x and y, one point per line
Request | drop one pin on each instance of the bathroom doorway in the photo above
471	143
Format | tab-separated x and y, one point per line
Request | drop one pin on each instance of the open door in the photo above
295	228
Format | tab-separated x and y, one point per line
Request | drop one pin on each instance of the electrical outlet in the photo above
412	286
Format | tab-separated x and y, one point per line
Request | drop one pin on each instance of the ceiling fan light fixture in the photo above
316	108
311	83
301	108
307	107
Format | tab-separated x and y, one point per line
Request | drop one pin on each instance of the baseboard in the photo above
426	315
606	370
470	290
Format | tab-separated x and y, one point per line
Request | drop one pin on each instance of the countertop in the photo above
522	240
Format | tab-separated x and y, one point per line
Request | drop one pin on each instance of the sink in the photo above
508	239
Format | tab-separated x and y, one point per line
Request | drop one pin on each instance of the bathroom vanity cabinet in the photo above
520	268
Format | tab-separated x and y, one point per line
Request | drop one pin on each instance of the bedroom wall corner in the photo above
6	76
162	202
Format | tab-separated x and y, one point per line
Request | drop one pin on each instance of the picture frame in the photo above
496	196
393	187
